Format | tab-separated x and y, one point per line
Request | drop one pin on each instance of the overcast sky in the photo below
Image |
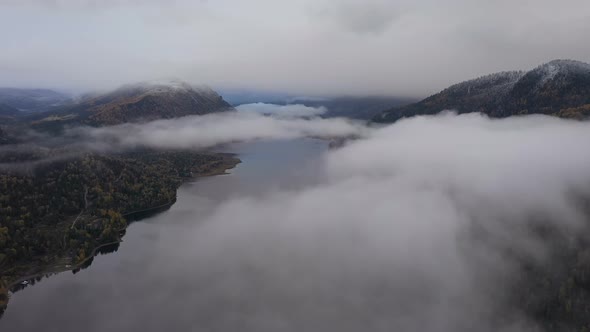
311	47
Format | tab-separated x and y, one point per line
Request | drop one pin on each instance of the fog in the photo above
251	122
385	240
307	47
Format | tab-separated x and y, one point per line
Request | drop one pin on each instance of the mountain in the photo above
32	100
137	102
560	88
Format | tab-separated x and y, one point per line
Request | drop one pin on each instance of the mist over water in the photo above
250	122
417	226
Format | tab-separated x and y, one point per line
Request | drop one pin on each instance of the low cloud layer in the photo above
210	130
422	225
386	241
250	123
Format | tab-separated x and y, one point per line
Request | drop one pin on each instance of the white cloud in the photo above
215	129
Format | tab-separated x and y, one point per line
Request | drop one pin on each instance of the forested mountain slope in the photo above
560	88
136	102
55	213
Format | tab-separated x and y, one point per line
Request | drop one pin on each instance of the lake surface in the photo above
154	281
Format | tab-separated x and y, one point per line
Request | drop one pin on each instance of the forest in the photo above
558	88
54	215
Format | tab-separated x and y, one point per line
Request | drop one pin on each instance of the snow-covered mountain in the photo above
559	87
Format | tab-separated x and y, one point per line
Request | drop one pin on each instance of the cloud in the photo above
388	238
251	122
215	129
282	111
373	16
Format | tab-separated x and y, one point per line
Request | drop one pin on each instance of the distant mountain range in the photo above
32	100
363	108
354	107
560	88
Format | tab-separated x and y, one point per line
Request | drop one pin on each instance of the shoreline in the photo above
231	163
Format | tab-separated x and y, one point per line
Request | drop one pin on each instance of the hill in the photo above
560	88
136	102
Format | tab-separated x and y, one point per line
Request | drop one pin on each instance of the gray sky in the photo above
312	47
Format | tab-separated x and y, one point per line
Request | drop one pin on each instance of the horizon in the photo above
265	94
